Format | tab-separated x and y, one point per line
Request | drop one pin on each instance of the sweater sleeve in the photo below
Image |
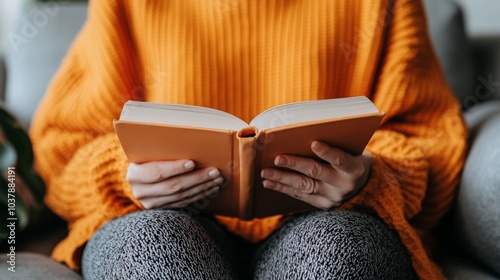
76	149
420	147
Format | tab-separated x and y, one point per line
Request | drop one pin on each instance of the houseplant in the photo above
21	188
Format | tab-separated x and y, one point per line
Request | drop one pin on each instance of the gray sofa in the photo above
468	236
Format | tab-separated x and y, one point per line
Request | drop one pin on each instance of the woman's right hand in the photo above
172	184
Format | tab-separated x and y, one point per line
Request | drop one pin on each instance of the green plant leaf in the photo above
3	193
34	182
19	138
20	210
8	156
23	217
4	231
20	144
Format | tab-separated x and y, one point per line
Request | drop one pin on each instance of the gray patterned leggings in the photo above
166	244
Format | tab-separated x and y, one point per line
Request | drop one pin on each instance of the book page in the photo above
298	112
180	115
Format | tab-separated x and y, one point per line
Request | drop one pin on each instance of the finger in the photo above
157	171
315	200
182	198
304	184
204	197
337	158
176	184
298	181
306	166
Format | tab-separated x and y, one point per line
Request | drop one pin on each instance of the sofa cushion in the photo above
29	266
457	266
477	215
447	31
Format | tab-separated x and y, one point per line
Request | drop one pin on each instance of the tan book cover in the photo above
156	132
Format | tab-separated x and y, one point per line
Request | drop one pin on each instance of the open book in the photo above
156	131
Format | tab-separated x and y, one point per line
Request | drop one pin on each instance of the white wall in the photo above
9	10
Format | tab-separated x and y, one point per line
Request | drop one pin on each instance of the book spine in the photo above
246	150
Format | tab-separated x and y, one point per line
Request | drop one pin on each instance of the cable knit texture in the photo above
243	57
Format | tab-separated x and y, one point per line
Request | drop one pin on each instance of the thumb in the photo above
337	158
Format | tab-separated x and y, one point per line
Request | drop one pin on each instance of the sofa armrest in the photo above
476	216
447	31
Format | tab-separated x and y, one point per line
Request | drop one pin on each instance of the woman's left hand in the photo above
322	184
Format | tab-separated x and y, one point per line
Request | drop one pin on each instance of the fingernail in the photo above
267	184
279	160
213	173
189	164
316	145
264	183
264	173
218	180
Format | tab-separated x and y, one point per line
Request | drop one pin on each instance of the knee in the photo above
143	229
338	244
353	235
343	230
145	243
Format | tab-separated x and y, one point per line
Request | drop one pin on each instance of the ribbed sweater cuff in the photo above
108	171
102	191
389	196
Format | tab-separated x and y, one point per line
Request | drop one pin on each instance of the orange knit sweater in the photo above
244	56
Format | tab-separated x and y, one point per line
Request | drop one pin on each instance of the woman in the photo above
242	57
